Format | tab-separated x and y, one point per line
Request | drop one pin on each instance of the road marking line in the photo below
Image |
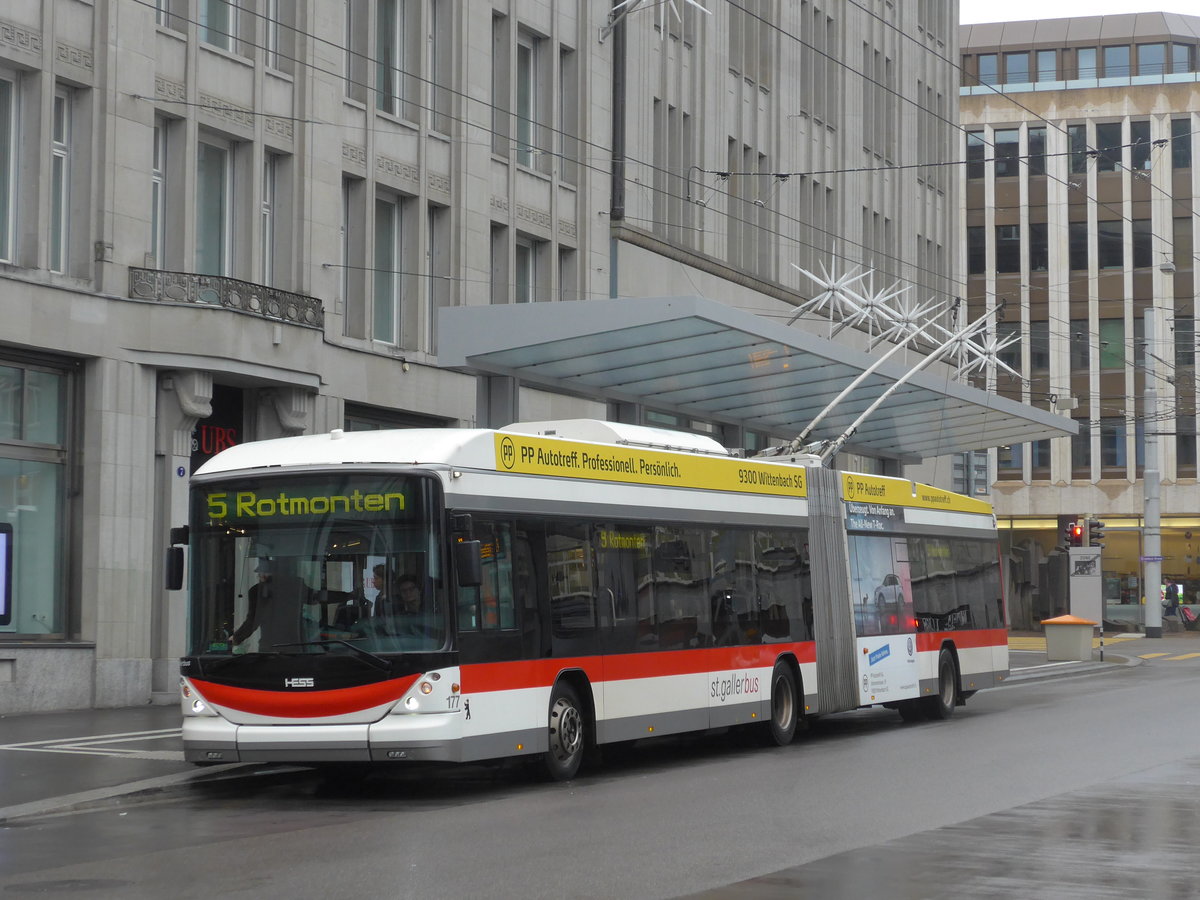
94	745
1186	656
1151	655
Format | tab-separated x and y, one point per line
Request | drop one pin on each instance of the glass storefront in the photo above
1030	546
33	467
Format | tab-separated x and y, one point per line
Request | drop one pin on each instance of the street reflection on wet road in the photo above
1135	837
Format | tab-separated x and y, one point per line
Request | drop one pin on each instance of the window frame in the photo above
227	222
59	243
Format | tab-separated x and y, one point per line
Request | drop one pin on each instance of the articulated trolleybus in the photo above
454	595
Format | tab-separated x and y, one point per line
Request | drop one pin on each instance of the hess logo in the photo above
298	682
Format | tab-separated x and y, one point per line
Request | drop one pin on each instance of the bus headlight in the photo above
426	687
412	703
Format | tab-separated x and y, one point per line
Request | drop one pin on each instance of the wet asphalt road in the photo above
1072	788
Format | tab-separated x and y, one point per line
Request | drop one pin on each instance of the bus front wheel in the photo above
567	732
785	705
941	705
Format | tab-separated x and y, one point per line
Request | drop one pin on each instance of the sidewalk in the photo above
58	761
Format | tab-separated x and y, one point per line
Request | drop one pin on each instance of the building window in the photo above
1009	462
1077	146
1039	247
1181	143
1143	244
1016	68
1139	150
1007	145
528	50
1008	248
437	259
1151	59
441	65
1108	143
1110	245
1185	342
568	115
385	321
976	153
1181	58
1182	244
60	181
988	69
1085	58
567	275
354	56
1112	444
1185	445
390	61
525	271
976	250
214	193
8	165
1077	241
1039	346
1047	65
1116	61
266	229
1081	351
1112	344
158	194
1037	151
499	260
1008	338
1081	450
33	470
1039	453
218	19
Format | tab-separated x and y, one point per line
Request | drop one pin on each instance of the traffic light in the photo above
1095	533
1074	534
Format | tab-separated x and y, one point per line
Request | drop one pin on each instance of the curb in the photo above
1056	670
100	797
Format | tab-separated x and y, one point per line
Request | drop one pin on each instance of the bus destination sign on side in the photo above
899	492
545	456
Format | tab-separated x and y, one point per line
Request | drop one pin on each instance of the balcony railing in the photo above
227	293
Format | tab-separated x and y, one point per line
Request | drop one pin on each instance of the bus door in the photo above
489	616
574	617
884	624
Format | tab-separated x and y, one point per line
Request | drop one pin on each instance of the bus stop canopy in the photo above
703	359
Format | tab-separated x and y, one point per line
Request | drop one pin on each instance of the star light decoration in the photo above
849	299
625	7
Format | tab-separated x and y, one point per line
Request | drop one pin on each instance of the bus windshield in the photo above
317	564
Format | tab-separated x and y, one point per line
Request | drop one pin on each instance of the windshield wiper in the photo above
367	656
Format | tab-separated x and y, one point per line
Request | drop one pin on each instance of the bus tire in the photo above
941	705
785	705
567	732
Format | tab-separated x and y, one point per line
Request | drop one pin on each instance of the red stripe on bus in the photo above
511	676
305	704
984	637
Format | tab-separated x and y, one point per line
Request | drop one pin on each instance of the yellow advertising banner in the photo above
899	492
532	455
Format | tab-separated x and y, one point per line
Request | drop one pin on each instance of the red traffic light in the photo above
1076	532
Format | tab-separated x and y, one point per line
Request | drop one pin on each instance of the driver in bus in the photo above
275	608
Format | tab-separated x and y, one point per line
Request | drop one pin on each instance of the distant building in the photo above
1080	192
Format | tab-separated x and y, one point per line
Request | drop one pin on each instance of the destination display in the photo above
546	456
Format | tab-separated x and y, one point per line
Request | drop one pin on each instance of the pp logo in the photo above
508	453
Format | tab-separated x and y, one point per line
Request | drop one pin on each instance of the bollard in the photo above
1068	638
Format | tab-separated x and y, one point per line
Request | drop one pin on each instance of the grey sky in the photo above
1016	10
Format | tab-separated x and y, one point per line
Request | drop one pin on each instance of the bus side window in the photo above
491	606
569	555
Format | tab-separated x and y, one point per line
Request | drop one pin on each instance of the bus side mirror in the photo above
468	564
174	568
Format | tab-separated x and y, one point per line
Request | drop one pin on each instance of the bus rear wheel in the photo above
567	732
941	705
785	706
